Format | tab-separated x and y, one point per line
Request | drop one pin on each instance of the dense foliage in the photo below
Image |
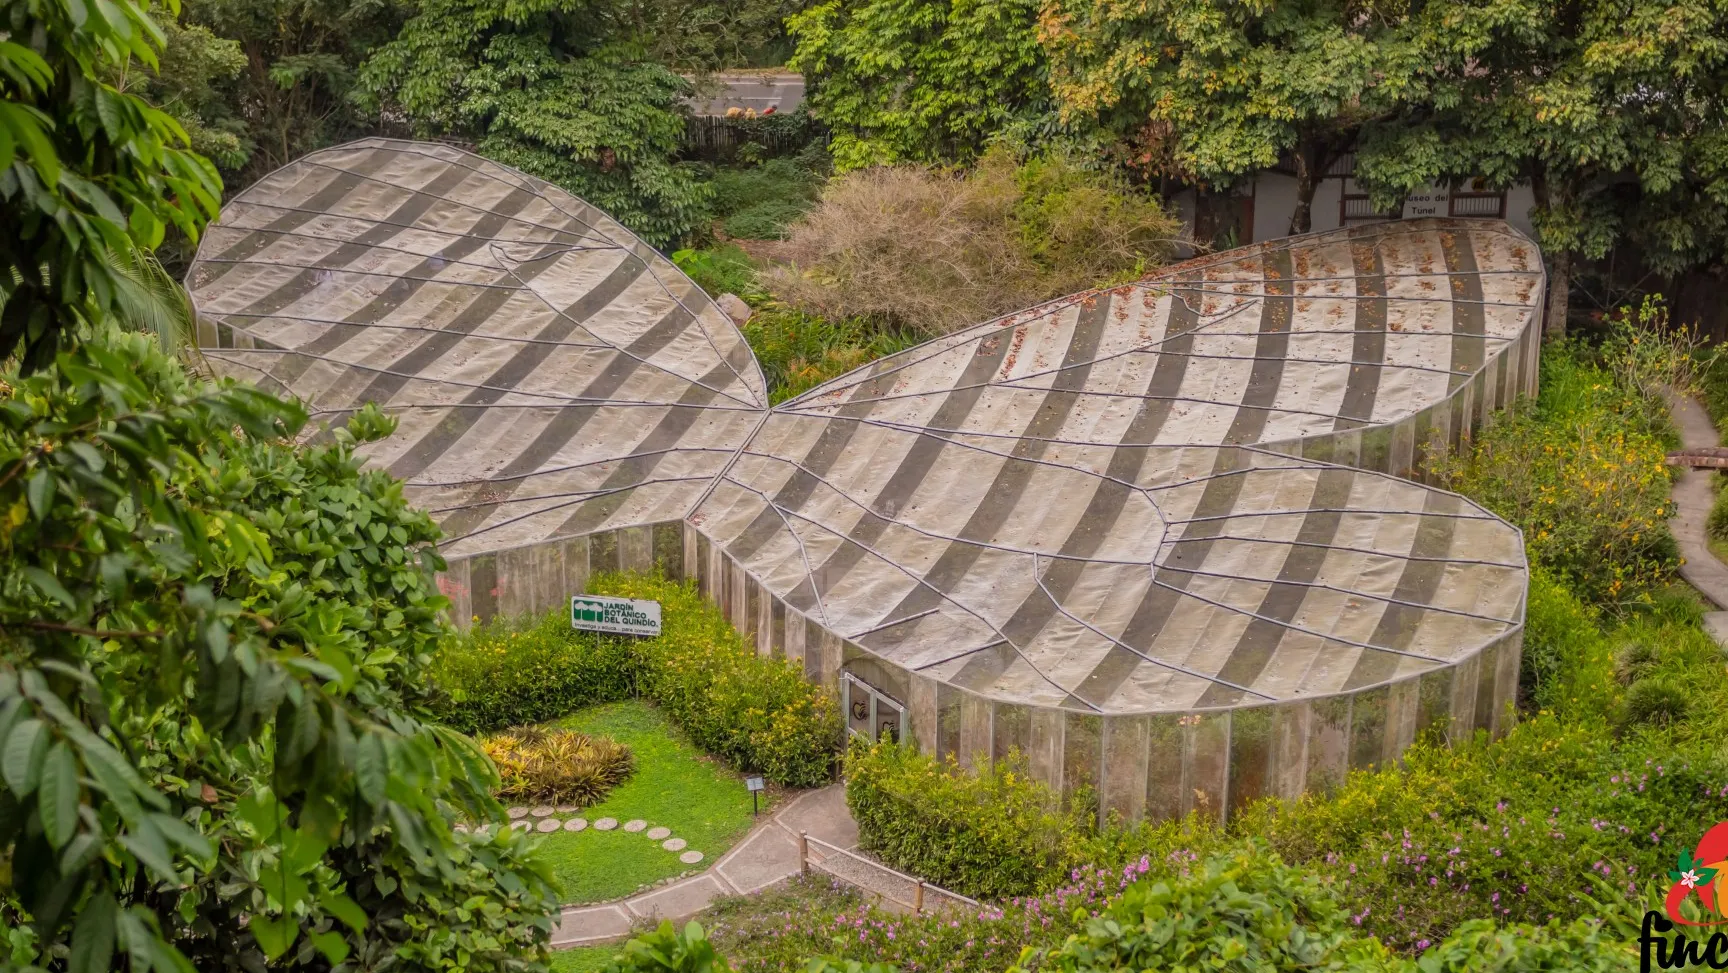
990	834
89	174
1611	113
538	87
757	713
211	647
516	672
1206	91
543	765
922	81
931	251
293	88
1239	910
1581	473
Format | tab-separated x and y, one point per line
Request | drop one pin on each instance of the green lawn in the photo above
584	959
675	786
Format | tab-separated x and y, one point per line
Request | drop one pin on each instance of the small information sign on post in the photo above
755	785
619	616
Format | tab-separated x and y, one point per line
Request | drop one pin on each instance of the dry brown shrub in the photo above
557	766
934	250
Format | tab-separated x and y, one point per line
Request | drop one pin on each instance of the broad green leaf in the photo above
93	936
344	908
49	585
274	935
40	491
371	768
57	799
332	945
22	761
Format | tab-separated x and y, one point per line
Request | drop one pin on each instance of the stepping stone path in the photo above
546	820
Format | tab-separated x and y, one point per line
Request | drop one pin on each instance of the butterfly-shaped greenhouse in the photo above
1166	539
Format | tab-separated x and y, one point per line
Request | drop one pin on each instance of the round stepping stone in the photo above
575	824
690	857
655	834
568	809
518	812
541	812
635	826
547	825
674	844
605	824
521	825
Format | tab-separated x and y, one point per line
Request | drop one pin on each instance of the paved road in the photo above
757	91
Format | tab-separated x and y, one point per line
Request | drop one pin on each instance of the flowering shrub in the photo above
557	766
515	671
758	714
1522	830
1243	911
989	834
1582	474
1240	910
778	930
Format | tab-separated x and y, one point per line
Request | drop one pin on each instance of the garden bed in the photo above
675	786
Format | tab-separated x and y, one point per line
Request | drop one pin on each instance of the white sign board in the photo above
620	616
1433	202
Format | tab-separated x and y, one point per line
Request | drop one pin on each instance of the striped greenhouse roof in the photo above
1187	493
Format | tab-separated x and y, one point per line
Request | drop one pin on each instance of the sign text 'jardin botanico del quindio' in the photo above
619	616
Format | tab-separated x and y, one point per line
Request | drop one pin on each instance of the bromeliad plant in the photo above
552	766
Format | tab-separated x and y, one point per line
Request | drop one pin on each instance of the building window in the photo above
1357	208
1475	199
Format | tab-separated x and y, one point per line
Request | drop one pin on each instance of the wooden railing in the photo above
876	878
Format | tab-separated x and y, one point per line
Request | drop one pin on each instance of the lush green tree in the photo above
536	85
212	641
294	91
921	80
1207	91
1612	111
709	35
187	84
88	173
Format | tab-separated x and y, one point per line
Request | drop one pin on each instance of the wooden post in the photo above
918	898
803	853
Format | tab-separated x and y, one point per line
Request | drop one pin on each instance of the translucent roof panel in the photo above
1183	494
553	374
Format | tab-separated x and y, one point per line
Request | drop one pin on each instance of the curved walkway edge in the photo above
1694	494
769	854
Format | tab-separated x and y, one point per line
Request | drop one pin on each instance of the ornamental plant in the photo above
758	714
1581	472
551	766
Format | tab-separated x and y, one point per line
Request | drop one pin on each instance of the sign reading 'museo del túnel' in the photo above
620	616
